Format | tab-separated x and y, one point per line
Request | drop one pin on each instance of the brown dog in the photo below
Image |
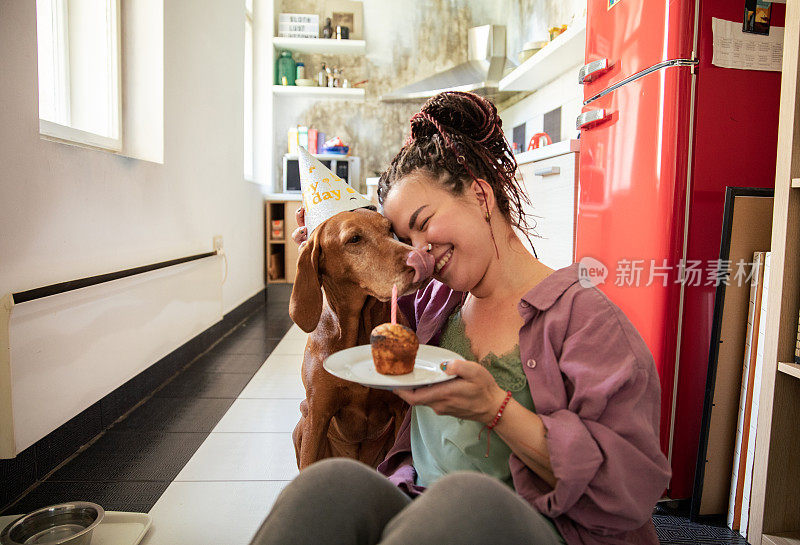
354	259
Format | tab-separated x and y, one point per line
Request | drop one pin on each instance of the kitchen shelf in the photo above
281	253
795	182
564	52
790	369
322	46
319	92
792	538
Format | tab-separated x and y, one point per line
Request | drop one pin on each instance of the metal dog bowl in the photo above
62	524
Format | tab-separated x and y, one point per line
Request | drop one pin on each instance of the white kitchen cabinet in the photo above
550	179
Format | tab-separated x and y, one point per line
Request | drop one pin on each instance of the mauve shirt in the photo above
595	387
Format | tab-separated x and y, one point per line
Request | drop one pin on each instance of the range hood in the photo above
481	74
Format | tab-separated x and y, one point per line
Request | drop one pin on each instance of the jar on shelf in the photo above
301	70
286	69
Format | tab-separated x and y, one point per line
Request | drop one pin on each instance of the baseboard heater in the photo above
65	346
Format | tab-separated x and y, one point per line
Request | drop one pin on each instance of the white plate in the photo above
355	364
116	528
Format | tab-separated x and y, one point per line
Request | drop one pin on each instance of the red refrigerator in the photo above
663	132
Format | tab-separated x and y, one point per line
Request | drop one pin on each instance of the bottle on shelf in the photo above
330	73
327	30
287	69
301	70
322	77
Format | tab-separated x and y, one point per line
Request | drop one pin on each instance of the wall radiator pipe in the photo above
64	349
63	287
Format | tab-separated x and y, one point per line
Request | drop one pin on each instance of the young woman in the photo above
550	432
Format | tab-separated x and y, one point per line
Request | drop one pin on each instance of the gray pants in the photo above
340	501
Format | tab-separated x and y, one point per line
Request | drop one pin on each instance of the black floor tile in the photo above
16	474
67	439
132	456
176	414
123	398
218	362
112	496
200	383
674	530
278	292
258	346
278	310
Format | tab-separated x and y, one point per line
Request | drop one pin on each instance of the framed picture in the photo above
746	229
757	16
347	13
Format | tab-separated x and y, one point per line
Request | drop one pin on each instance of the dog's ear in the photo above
305	305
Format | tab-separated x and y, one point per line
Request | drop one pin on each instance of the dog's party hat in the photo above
324	193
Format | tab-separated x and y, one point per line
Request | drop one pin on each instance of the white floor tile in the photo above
290	346
203	513
260	415
296	333
242	457
274	383
284	362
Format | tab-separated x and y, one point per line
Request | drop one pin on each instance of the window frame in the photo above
248	110
64	132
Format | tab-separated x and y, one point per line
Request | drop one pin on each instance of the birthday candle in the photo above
394	303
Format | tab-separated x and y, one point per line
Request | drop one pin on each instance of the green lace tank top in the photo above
443	444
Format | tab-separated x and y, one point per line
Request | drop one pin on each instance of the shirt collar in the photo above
544	294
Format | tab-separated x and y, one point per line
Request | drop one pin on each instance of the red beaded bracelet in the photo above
500	411
494	422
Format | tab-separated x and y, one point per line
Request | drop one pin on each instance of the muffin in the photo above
394	349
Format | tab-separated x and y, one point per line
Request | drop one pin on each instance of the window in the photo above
79	71
248	90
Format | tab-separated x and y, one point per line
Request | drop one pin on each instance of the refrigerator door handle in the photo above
590	71
586	119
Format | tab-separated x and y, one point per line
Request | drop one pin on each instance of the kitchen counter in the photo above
546	152
283	197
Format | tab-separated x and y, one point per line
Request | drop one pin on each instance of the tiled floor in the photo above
207	455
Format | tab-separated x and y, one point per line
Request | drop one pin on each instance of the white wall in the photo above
68	212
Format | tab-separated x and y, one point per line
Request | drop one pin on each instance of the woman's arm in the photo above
525	434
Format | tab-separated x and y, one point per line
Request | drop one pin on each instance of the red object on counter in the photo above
653	173
536	139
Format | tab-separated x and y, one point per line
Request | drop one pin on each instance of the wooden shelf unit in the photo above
775	495
281	253
792	369
791	538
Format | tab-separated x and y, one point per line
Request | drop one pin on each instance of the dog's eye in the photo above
355	239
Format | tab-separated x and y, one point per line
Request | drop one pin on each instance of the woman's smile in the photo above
442	262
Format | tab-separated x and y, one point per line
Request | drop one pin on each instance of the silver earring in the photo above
430	247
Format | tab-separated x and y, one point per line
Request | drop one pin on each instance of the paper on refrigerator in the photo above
744	51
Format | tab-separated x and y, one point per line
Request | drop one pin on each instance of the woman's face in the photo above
423	212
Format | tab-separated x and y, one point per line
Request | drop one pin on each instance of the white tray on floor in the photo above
116	528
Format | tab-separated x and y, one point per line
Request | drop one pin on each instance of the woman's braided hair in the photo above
457	137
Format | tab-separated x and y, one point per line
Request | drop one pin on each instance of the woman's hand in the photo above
301	233
474	395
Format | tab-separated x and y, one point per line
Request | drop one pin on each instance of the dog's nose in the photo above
422	263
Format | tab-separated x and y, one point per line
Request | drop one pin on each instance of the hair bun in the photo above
463	114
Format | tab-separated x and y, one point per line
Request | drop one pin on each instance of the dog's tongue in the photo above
422	262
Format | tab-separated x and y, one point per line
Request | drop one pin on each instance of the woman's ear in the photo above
482	191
